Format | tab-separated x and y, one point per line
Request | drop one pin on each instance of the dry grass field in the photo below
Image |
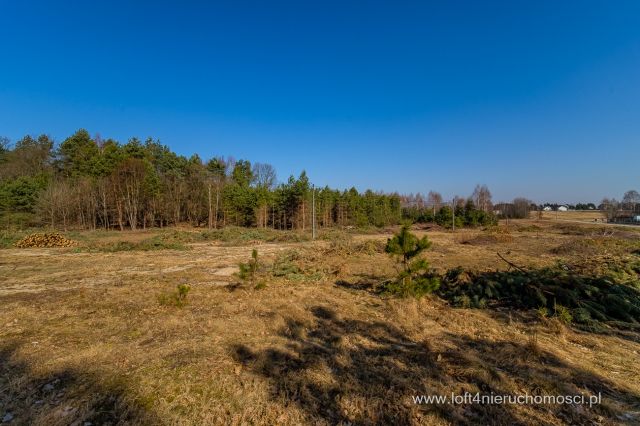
87	336
577	215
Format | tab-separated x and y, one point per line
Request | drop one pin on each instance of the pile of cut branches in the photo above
611	296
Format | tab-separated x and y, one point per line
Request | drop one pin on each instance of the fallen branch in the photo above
513	265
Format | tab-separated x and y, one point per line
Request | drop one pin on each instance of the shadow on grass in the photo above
364	282
360	372
63	397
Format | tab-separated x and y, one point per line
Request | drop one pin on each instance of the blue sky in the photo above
534	98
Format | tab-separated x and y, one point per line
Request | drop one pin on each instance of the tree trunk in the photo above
210	222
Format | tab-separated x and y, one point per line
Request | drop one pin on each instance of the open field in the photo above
85	335
577	215
593	217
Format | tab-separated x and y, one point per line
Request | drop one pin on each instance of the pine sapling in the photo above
413	277
249	270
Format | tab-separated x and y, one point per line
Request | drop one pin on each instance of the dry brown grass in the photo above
580	215
83	338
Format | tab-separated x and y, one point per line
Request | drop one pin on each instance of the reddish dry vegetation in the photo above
83	336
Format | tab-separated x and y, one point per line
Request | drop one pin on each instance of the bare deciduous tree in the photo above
631	200
521	208
128	180
264	175
482	198
610	206
434	199
54	202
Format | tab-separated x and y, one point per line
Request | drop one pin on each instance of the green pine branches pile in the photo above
609	297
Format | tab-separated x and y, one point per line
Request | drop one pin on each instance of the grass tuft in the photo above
176	298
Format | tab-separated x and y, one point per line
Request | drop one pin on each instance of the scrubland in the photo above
93	333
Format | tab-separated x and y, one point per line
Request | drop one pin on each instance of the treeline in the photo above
475	210
630	202
93	183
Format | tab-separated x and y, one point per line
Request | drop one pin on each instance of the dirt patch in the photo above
226	271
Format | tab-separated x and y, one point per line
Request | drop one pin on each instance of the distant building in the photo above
547	208
562	209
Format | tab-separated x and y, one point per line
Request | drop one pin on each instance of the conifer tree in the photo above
414	278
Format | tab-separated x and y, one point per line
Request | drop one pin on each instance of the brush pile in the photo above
610	296
45	240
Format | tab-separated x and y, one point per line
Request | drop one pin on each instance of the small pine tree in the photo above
248	270
181	294
177	298
413	279
406	246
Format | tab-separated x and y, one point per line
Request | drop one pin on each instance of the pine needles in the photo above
414	278
612	296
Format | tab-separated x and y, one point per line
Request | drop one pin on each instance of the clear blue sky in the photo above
533	98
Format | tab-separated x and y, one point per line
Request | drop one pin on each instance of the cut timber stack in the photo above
45	240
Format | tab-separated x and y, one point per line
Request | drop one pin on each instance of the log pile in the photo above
45	240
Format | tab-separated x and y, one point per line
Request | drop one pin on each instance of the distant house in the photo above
547	208
562	209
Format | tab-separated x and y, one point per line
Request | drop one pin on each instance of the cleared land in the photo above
579	215
84	336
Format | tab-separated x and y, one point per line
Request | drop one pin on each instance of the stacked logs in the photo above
45	240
